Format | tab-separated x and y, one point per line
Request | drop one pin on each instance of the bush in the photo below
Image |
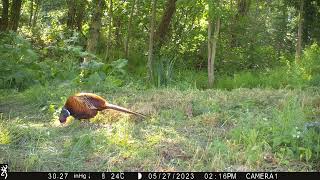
311	63
17	62
98	75
21	66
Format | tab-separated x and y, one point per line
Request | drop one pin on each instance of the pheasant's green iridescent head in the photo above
64	114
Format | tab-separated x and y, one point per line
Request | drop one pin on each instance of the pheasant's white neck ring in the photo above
66	111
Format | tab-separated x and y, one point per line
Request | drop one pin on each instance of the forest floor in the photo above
192	130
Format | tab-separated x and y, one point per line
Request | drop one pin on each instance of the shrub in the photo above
21	66
311	63
99	75
17	62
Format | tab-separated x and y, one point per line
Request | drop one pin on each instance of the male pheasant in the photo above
87	105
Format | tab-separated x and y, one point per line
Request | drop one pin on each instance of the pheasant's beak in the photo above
62	119
63	115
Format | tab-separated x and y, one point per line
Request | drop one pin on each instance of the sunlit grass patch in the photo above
4	135
192	130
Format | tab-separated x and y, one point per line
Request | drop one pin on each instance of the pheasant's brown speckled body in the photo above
86	106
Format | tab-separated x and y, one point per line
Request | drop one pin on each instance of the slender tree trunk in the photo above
35	16
299	41
231	26
95	26
5	15
126	47
210	68
71	14
31	13
151	40
15	14
110	30
117	24
212	46
243	7
80	11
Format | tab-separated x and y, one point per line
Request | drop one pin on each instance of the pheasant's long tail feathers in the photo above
122	109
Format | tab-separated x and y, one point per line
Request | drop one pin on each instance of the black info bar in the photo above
159	175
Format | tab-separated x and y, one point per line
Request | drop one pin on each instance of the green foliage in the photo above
21	66
293	74
163	71
311	63
101	75
283	134
117	67
17	62
276	78
244	79
288	135
190	79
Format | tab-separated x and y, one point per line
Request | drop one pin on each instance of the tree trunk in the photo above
15	14
164	25
243	7
210	68
35	16
299	41
151	40
71	14
231	26
212	46
117	24
126	47
31	13
110	30
95	26
80	12
5	15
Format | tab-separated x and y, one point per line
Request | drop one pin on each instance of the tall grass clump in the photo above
163	71
245	79
283	135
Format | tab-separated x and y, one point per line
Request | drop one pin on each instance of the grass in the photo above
276	78
191	130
